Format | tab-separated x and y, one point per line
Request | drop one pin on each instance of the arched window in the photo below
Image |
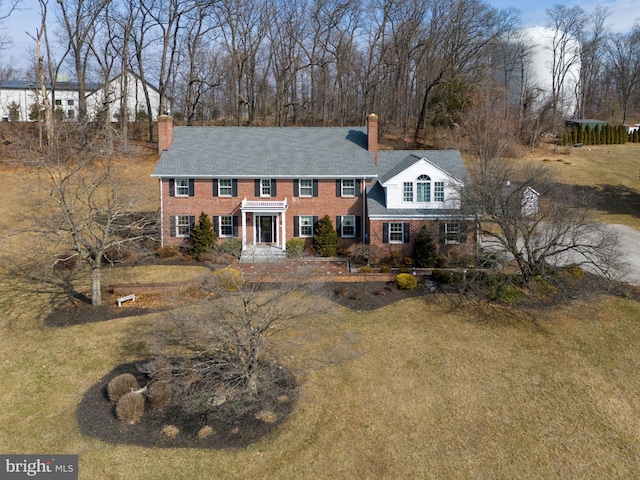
423	189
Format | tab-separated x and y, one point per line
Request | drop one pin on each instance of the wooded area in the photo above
416	63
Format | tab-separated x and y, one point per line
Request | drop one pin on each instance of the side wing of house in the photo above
415	194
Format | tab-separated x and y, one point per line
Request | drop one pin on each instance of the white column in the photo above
244	229
284	230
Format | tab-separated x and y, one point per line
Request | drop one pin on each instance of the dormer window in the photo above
438	191
423	189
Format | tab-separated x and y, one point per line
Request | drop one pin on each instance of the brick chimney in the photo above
165	132
372	136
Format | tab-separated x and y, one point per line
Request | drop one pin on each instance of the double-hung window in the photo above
306	226
225	188
226	226
348	187
305	187
407	192
451	233
396	232
183	226
265	187
423	189
438	191
348	226
182	187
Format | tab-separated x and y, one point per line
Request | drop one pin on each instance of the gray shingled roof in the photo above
392	162
376	207
276	152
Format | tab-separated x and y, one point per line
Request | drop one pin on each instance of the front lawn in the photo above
411	390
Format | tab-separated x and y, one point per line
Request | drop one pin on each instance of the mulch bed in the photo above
362	296
97	419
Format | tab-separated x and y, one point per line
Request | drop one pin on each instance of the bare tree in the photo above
79	19
623	63
522	213
592	51
568	24
229	336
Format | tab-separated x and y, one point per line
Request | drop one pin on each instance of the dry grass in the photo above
612	170
428	395
409	391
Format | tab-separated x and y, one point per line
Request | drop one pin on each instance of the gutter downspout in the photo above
161	214
364	210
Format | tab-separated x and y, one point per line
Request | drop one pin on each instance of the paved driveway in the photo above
630	245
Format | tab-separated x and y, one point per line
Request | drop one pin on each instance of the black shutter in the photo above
256	187
442	233
385	233
235	225
296	228
215	187
296	187
234	187
192	187
358	226
216	225
273	187
406	232
172	187
339	225
192	223
315	188
172	226
462	237
315	223
338	188
358	182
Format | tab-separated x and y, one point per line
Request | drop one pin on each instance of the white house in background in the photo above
17	98
631	127
135	101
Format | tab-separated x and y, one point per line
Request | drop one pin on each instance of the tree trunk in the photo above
96	286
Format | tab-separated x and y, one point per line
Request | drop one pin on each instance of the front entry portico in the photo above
269	223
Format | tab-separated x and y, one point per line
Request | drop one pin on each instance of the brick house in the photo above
266	185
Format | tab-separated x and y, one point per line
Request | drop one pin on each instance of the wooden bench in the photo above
126	298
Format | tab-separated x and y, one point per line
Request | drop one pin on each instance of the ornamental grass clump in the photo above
120	386
406	281
130	408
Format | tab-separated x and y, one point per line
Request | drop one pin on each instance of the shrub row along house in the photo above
267	185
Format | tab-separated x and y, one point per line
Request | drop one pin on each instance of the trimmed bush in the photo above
227	278
120	386
267	416
170	431
130	408
406	281
575	271
442	276
295	247
203	237
385	268
510	294
325	238
205	432
159	394
231	246
366	269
